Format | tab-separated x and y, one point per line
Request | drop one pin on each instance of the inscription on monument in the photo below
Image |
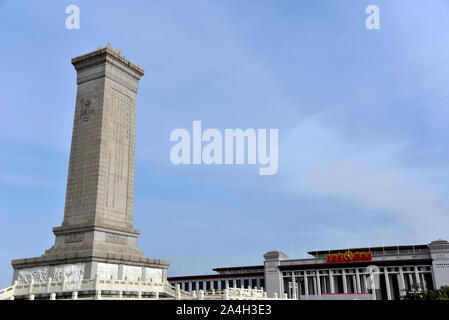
74	237
115	238
116	181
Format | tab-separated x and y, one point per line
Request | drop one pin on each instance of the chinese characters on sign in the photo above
349	256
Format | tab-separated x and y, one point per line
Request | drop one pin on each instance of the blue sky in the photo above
362	116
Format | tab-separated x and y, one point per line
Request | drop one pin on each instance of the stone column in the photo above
387	283
324	288
357	275
365	282
294	294
314	284
318	281
345	285
306	284
424	282
401	281
373	283
331	281
418	279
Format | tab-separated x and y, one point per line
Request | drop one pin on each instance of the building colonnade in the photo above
220	283
387	282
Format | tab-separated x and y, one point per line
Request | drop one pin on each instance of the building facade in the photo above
382	273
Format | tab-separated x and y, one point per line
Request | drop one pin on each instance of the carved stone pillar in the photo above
97	234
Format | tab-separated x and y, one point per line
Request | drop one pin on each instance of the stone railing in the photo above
30	290
136	290
233	293
7	293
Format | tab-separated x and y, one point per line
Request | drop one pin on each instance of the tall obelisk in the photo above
97	238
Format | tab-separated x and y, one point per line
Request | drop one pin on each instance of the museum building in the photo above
382	273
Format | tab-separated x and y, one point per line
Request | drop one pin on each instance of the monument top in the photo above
82	61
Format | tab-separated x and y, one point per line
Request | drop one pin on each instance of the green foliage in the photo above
416	293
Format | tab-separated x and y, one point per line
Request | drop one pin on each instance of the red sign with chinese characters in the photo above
349	256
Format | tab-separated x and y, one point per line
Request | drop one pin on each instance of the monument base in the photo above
37	270
90	252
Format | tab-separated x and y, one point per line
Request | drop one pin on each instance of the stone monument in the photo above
96	239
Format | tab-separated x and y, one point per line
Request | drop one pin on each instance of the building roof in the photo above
224	269
216	276
354	264
373	249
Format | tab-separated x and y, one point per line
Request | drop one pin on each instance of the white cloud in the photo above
319	161
8	178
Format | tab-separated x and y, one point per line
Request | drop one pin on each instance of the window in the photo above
246	283
193	286
239	283
201	285
186	286
223	284
254	283
262	283
231	283
215	285
207	285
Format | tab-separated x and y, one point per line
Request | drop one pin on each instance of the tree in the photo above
417	293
